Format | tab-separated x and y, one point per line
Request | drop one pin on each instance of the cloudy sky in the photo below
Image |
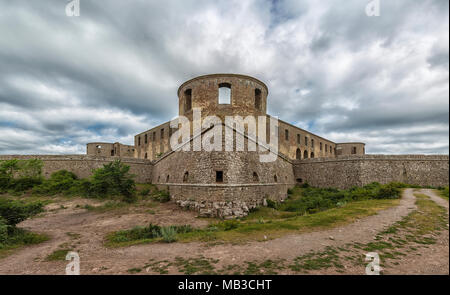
114	71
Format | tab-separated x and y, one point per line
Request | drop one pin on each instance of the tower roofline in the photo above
222	75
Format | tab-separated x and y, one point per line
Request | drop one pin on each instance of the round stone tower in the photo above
223	95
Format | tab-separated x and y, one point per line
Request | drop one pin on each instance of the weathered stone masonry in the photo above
229	184
347	171
83	165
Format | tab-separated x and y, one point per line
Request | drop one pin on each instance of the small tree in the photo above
114	179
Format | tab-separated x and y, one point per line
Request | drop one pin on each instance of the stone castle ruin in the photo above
228	183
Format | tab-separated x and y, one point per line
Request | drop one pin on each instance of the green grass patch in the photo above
19	238
443	192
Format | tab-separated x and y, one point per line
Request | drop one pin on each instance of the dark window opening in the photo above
286	134
298	138
162	133
320	146
146	139
298	154
159	178
305	155
154	136
306	140
224	93
275	178
186	176
188	100
354	150
167	178
312	143
146	156
255	176
326	148
312	155
257	98
139	140
299	180
219	176
112	152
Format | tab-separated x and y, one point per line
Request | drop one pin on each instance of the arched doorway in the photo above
298	154
305	155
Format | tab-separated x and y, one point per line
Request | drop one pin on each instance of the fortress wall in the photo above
238	192
344	172
83	165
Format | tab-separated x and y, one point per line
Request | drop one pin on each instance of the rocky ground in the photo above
334	251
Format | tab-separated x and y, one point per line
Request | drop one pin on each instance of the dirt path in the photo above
433	259
95	258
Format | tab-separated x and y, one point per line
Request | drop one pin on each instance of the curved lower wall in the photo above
348	171
82	165
240	190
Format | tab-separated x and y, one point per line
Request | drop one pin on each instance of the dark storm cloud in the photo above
113	72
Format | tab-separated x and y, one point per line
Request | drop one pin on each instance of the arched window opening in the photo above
112	153
146	156
186	176
354	150
298	154
224	93
187	100
255	176
312	155
305	155
167	178
275	178
257	98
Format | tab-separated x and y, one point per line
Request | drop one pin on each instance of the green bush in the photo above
3	231
168	234
113	179
313	200
14	212
145	192
162	196
388	191
11	213
20	175
230	224
444	191
59	182
271	204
